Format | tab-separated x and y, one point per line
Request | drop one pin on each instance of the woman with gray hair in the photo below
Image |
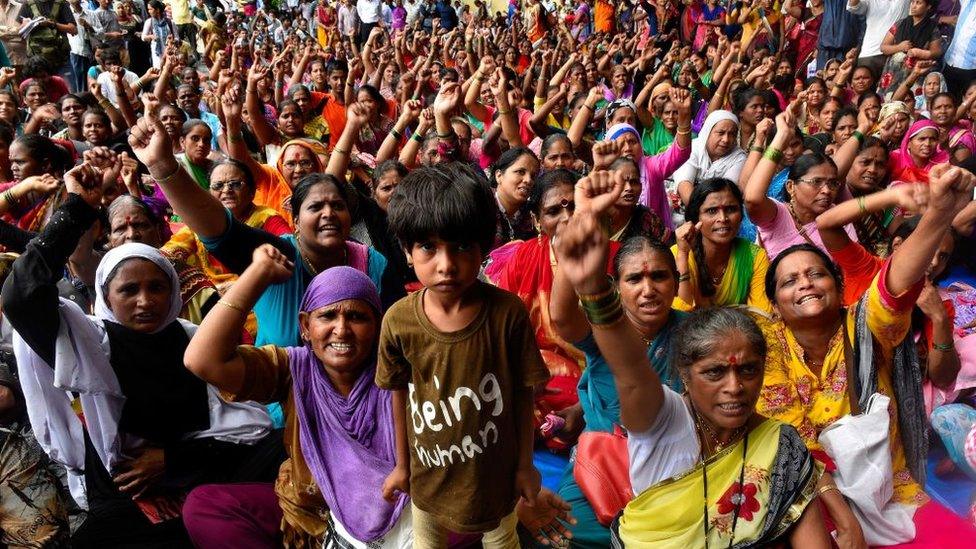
132	220
755	473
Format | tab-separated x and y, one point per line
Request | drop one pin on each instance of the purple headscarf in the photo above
349	437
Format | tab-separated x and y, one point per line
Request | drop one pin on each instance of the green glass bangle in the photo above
773	154
859	136
944	347
604	310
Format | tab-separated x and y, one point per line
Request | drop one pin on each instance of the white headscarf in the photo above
700	165
111	262
82	366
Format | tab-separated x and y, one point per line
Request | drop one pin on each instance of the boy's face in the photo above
446	268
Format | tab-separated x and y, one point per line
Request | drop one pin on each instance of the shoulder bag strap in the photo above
849	365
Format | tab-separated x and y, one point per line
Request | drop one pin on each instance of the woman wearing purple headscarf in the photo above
338	423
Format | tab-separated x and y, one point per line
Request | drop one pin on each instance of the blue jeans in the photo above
79	72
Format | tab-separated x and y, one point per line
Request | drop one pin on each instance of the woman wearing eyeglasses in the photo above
273	184
233	185
811	188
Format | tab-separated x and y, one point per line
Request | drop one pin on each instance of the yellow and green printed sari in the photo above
779	481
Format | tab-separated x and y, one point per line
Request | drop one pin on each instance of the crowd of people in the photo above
695	273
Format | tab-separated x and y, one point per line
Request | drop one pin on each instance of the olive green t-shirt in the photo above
461	416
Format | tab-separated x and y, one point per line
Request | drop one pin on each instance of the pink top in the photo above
653	171
780	232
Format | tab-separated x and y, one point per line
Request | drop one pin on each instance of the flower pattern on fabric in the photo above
777	398
741	496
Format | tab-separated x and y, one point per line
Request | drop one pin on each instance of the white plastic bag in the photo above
859	446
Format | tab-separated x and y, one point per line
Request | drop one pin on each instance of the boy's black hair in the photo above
451	201
36	65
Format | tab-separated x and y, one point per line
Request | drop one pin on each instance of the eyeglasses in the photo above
303	164
832	184
232	185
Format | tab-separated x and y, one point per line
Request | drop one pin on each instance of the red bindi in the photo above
732	360
128	219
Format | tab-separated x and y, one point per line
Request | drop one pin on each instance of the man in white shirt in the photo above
960	57
82	54
347	20
107	82
370	14
879	16
413	10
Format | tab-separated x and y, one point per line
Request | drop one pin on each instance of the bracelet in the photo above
589	107
944	347
683	277
683	131
861	206
447	136
235	137
828	488
503	113
417	137
337	150
8	195
759	150
774	154
170	177
605	311
396	134
859	136
103	102
232	305
599	295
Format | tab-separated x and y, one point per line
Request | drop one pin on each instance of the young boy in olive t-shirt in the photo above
462	361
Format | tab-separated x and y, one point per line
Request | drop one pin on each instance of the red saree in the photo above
525	268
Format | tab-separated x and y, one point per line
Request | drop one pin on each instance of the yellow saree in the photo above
741	284
779	481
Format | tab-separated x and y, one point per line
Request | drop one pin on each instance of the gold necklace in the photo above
714	436
308	263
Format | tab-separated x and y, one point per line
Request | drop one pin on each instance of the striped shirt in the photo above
962	51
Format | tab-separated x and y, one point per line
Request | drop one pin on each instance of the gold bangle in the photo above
170	177
232	305
599	295
861	206
828	488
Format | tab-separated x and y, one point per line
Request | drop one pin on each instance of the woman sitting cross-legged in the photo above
151	431
757	477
